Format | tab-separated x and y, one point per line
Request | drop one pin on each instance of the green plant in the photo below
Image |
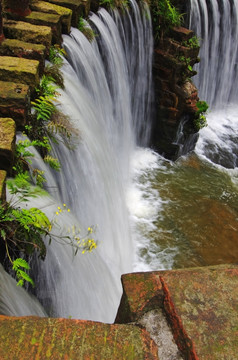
23	230
20	266
164	16
187	63
56	54
200	120
193	42
53	72
85	29
202	107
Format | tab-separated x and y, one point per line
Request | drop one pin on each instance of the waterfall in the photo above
216	24
107	98
15	301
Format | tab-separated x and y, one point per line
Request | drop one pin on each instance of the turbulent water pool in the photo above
189	208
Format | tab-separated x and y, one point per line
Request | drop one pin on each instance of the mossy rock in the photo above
17	69
78	7
45	19
15	102
46	338
7	143
65	14
27	32
18	48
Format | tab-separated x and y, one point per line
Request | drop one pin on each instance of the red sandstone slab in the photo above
29	338
202	305
141	293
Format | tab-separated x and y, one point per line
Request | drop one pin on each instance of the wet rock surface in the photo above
46	338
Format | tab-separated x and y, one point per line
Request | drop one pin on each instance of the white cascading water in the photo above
216	24
107	97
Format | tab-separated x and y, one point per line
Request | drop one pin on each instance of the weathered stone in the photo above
202	307
26	32
181	33
141	292
65	14
190	96
78	7
3	175
50	20
46	338
21	70
17	7
18	48
15	102
7	143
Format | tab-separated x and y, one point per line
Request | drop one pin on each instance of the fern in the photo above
56	54
85	29
21	274
44	107
54	163
53	72
46	87
20	263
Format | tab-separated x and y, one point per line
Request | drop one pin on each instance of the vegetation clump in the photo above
164	16
85	29
192	43
200	120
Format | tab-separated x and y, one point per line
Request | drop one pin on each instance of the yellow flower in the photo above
57	213
68	210
58	207
64	205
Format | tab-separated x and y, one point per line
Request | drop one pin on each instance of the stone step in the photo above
15	102
7	143
64	13
47	338
44	19
27	32
18	48
79	8
20	70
